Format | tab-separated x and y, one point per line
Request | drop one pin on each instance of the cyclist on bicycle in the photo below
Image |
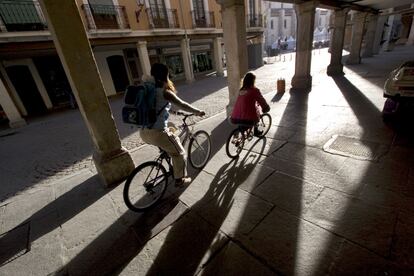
246	111
159	135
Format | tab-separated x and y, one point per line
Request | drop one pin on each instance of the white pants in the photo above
171	144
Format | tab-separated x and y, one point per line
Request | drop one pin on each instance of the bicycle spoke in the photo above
146	186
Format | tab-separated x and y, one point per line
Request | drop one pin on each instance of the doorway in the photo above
26	88
118	72
54	78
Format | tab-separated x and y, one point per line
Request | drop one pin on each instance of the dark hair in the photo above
248	81
160	73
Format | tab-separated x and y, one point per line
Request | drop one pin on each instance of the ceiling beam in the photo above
335	4
351	5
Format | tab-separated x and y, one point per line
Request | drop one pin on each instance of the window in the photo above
271	24
284	23
252	7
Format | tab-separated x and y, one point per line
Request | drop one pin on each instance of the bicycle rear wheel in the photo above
199	149
264	124
145	186
235	143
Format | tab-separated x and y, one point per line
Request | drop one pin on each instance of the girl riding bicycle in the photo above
159	135
246	111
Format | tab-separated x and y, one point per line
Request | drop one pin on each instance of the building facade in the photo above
126	37
280	26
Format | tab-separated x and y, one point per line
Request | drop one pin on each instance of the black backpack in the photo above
140	105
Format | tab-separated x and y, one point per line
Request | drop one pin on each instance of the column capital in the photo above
342	12
142	43
230	3
359	16
219	38
306	7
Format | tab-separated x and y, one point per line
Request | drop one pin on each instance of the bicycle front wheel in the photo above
199	149
145	186
235	143
264	124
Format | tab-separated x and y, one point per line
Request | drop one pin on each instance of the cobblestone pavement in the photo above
58	145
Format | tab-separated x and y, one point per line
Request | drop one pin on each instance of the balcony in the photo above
203	19
163	19
105	17
254	21
21	16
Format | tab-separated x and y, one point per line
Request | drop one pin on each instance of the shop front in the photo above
201	57
172	58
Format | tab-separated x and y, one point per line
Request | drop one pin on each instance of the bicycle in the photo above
235	142
147	183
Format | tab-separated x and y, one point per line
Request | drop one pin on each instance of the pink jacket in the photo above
247	105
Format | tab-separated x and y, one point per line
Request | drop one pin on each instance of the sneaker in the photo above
182	181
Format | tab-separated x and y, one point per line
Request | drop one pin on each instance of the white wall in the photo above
103	67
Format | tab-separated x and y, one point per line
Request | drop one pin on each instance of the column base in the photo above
114	167
17	123
189	81
335	70
353	60
303	83
367	54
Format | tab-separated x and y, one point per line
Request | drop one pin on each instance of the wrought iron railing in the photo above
18	16
203	19
166	18
105	17
254	20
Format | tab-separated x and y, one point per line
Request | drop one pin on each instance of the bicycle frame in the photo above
185	131
184	135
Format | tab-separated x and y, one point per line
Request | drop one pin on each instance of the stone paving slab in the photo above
310	157
233	260
288	193
403	248
14	243
384	175
293	246
45	255
369	226
255	178
315	176
174	252
263	146
355	260
228	210
27	207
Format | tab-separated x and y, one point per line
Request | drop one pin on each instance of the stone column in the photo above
113	162
234	36
218	56
337	44
378	34
387	32
12	113
144	57
39	83
370	35
188	65
410	40
356	40
302	80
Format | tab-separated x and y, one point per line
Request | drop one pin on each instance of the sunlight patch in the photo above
355	148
